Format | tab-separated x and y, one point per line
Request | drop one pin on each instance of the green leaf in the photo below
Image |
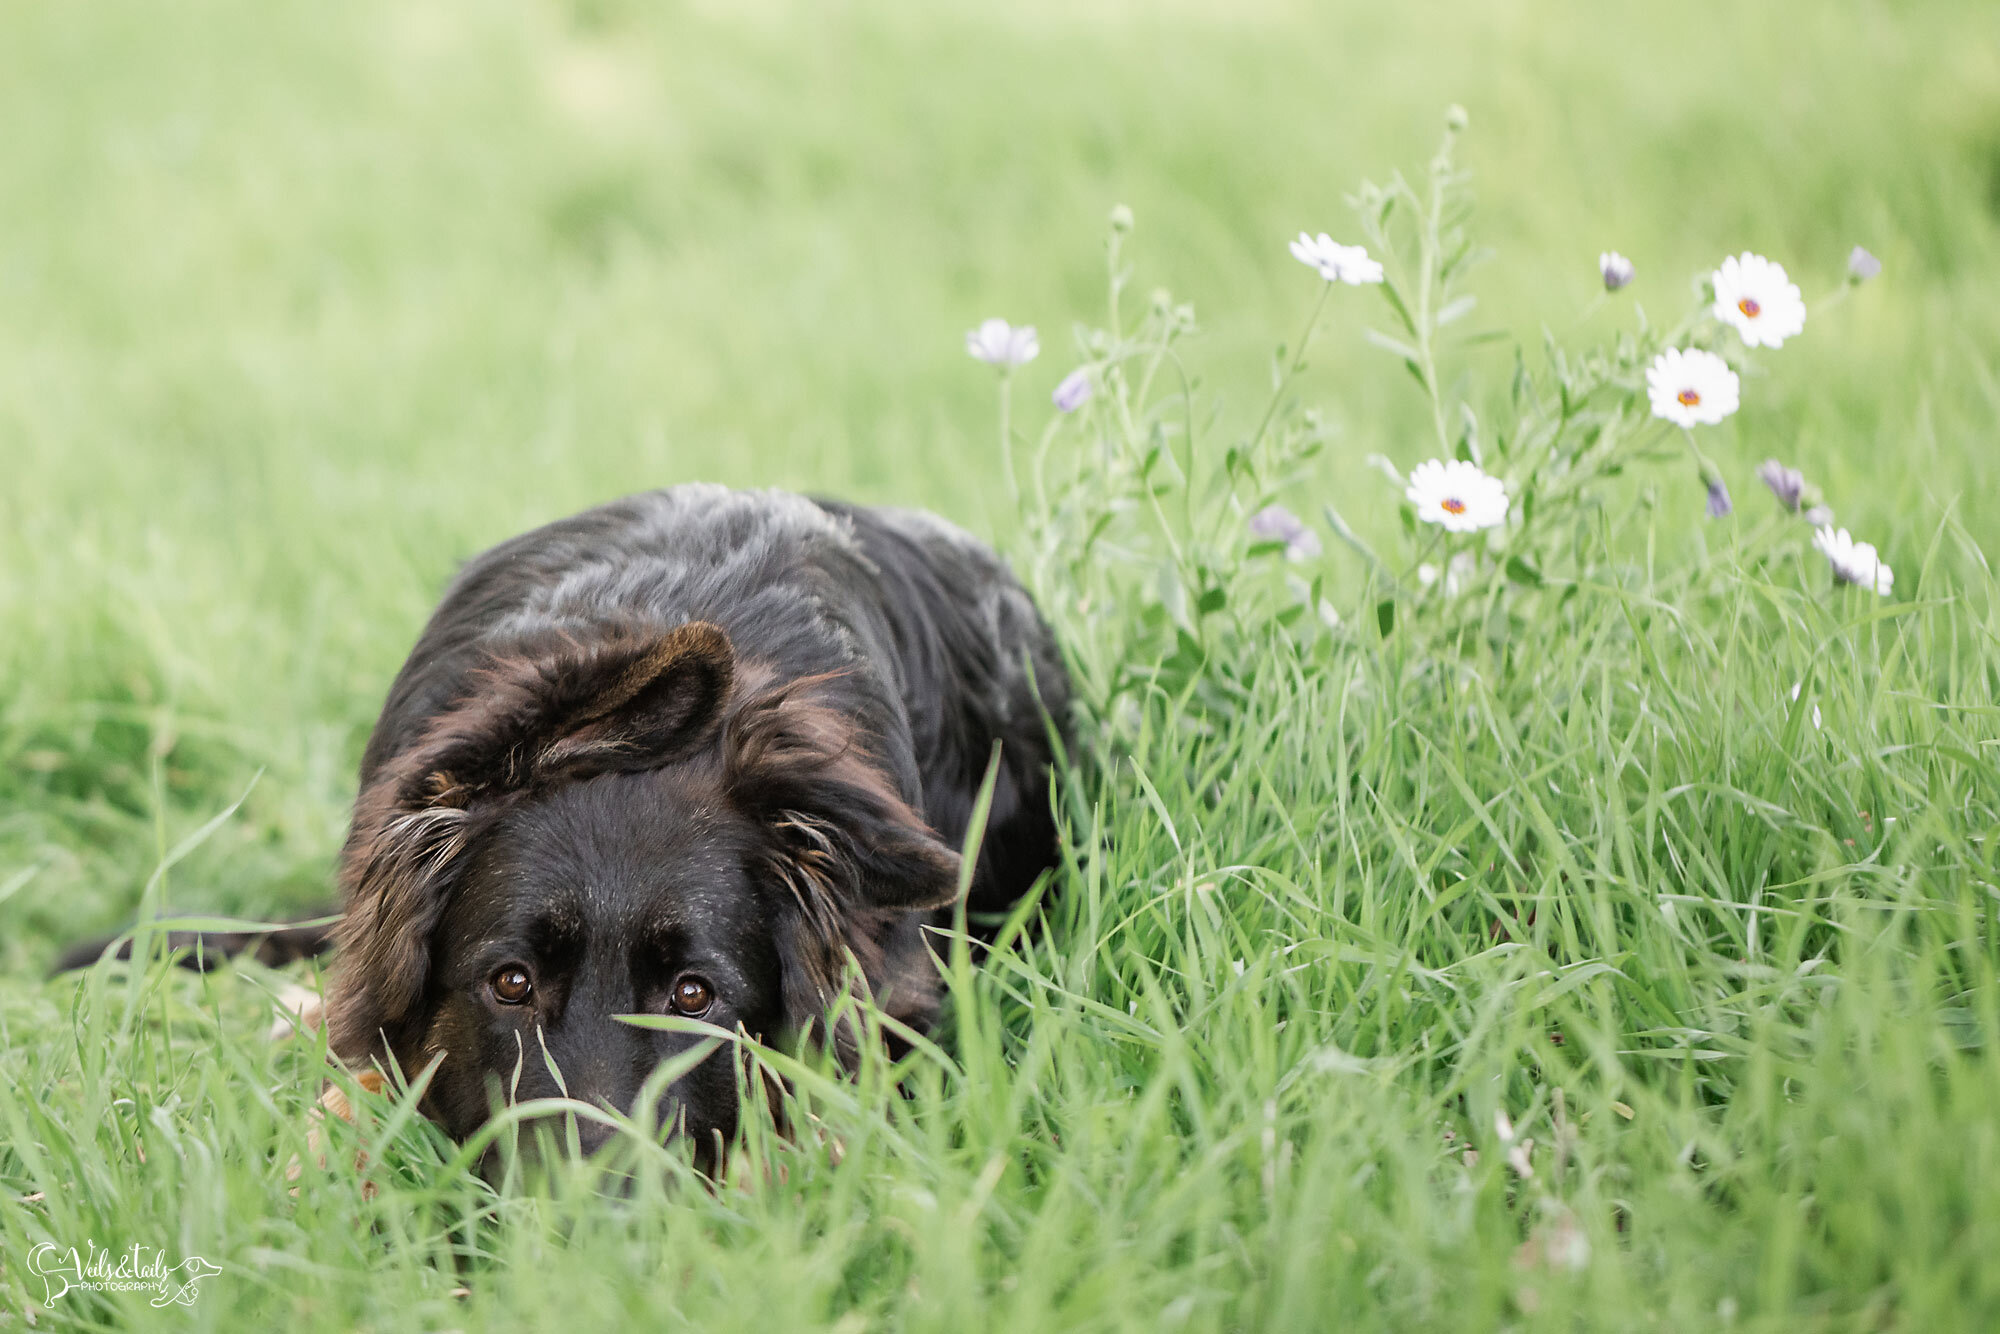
1457	310
1385	616
1388	291
1388	344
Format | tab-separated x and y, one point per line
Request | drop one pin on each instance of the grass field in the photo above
301	306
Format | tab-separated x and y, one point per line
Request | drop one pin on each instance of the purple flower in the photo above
1861	266
1074	391
1819	516
1616	269
1718	499
998	343
1787	484
1275	523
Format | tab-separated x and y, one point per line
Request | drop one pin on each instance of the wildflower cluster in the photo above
1493	513
1695	387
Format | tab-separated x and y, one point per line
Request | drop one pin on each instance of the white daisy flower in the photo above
1691	387
998	343
1456	494
1616	269
1336	262
1753	294
1854	562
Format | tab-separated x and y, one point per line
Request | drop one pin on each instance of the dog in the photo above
697	752
684	754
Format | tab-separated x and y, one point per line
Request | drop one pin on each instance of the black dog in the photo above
688	753
685	754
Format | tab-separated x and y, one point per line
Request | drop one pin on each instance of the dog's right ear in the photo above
557	713
623	703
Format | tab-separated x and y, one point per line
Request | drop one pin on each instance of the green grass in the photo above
299	308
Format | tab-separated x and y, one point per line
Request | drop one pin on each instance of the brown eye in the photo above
693	996
512	985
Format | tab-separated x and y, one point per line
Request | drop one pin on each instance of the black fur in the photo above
696	733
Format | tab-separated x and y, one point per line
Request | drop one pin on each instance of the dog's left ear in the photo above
804	770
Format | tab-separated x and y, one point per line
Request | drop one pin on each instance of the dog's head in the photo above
636	825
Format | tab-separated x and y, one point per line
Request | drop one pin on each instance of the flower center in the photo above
1748	305
1690	397
1452	505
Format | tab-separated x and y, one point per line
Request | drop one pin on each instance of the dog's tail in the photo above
272	944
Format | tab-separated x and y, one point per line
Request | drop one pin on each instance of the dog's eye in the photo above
693	995
512	985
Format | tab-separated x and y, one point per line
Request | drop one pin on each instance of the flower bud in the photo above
1787	484
1074	391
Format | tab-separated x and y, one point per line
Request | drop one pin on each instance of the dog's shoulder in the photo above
968	632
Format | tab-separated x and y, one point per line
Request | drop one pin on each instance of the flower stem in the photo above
1707	470
1007	436
1430	245
1291	371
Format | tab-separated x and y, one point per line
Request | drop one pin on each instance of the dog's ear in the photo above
822	960
560	712
803	770
621	703
637	708
396	874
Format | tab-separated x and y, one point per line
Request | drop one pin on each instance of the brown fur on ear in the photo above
804	770
821	944
624	702
663	702
861	864
631	700
395	877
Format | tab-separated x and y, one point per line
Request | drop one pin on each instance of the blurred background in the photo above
302	305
